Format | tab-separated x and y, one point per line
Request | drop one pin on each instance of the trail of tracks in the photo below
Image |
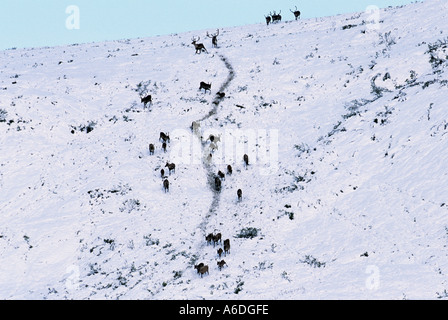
208	165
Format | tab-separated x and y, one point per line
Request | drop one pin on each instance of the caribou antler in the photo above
213	35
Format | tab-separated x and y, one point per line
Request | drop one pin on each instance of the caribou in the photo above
209	238
198	46
214	138
216	238
220	95
276	17
296	13
229	170
151	148
213	238
146	100
268	19
205	86
164	137
226	248
166	185
214	38
239	194
221	264
246	159
203	269
171	167
217	184
199	266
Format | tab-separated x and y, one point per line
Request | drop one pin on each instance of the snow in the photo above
346	183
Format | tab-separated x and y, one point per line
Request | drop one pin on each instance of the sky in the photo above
43	23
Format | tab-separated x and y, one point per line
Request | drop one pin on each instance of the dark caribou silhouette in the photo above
246	159
164	137
296	13
214	38
205	86
171	167
202	270
166	185
268	19
276	17
198	46
146	100
221	264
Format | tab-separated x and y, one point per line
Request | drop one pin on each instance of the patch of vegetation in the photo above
303	148
313	262
336	129
248	233
383	116
438	52
353	108
3	115
27	240
287	213
376	90
177	274
87	128
388	41
98	196
130	205
443	295
150	241
111	243
239	287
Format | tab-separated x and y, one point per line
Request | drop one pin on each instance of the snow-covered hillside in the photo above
345	197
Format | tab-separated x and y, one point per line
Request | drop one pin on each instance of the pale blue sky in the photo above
38	23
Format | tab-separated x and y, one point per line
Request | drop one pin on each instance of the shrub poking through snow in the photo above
248	233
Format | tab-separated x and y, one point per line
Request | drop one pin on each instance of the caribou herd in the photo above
271	18
211	239
164	138
215	239
277	17
219	178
